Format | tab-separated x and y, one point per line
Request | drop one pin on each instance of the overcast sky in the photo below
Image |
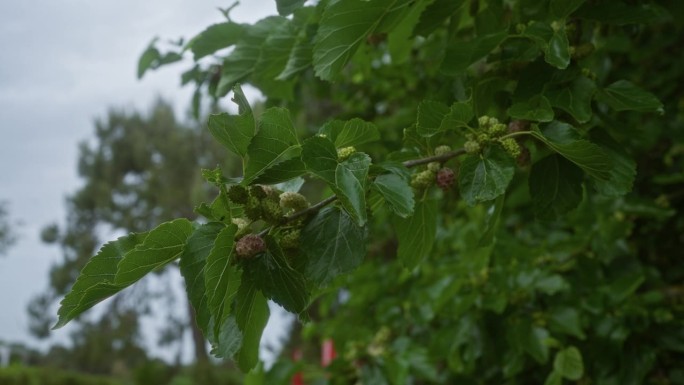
64	63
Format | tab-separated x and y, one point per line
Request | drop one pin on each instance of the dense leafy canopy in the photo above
542	257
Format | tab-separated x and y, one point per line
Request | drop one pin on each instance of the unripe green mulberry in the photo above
249	246
271	211
253	208
442	150
483	121
238	194
258	192
241	223
472	147
292	201
493	121
483	138
290	239
497	129
511	146
345	152
434	166
423	179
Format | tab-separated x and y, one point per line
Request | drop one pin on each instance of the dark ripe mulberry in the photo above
523	159
445	178
249	246
518	125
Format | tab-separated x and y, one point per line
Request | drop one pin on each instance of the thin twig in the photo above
435	158
407	164
313	208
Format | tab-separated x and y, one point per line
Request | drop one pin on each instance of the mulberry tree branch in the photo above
408	164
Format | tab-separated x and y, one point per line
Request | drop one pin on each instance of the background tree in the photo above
7	235
529	251
138	170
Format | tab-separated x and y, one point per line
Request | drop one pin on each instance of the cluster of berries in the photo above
270	205
435	173
491	131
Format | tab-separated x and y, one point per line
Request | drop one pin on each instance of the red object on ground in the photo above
327	352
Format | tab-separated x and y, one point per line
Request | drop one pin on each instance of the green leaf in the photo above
623	170
286	7
347	179
625	96
436	14
416	234
557	51
275	53
96	281
301	55
397	193
320	157
568	363
554	378
251	314
343	27
214	38
350	185
588	156
148	58
192	267
620	13
275	142
554	43
300	58
163	244
537	109
243	59
332	244
282	172
626	285
492	220
229	340
555	186
532	339
460	55
563	8
485	177
460	114
221	276
277	279
575	99
430	116
400	41
352	132
534	343
540	33
566	320
235	132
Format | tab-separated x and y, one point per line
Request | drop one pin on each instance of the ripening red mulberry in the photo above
445	178
250	245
